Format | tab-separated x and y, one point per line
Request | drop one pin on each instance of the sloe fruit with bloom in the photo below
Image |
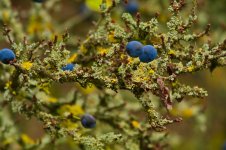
149	53
7	55
88	121
68	67
133	48
132	7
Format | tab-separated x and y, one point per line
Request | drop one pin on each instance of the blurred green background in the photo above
194	132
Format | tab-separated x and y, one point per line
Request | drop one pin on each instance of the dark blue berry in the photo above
132	7
38	1
68	67
149	53
7	55
133	48
88	121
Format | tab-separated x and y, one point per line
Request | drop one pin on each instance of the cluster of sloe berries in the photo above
145	53
7	56
87	120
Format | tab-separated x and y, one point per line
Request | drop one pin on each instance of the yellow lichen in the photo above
34	26
130	60
101	50
8	84
151	71
70	109
27	65
83	48
5	15
38	25
135	124
111	37
171	52
52	100
188	112
122	56
185	110
27	140
191	68
45	87
72	58
88	90
114	80
95	4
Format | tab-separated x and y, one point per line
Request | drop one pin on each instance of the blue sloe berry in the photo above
132	7
7	55
88	121
68	67
149	53
133	48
